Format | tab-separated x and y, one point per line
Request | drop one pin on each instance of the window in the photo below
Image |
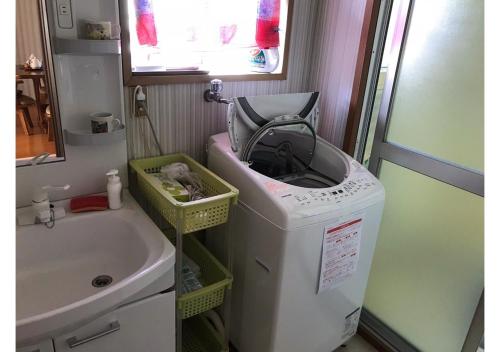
194	40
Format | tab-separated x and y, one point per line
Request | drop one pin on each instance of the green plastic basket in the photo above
190	216
198	335
215	279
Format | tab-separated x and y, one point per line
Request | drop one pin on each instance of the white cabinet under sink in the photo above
147	325
45	346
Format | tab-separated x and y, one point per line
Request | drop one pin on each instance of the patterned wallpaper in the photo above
184	121
338	31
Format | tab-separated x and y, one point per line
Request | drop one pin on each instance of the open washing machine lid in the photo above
276	135
246	115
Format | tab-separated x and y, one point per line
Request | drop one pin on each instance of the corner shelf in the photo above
87	46
85	137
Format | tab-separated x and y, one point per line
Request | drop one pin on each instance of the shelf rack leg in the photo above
227	316
229	264
178	286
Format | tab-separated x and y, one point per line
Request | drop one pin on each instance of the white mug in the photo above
101	30
103	122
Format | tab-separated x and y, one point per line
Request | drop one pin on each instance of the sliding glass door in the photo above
425	143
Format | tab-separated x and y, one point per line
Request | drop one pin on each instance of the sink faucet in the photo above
43	211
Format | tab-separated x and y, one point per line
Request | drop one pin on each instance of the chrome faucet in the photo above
215	92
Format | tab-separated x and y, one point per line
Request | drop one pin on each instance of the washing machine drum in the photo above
281	147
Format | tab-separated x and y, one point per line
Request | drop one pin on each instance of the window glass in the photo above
427	270
218	37
439	102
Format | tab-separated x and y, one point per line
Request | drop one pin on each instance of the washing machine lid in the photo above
285	146
247	115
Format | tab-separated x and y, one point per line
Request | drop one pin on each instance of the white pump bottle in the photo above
114	189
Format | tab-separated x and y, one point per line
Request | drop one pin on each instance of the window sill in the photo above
152	78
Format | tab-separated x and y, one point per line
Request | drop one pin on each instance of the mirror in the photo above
37	112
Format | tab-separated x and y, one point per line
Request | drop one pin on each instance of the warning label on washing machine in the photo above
340	255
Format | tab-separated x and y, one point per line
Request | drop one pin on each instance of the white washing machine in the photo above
304	230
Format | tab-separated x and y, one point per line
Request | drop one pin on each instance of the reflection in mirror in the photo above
37	113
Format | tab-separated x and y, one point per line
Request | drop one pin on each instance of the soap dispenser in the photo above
114	189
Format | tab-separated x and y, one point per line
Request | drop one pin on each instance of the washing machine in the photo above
303	233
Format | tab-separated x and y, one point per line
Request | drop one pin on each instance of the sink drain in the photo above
102	281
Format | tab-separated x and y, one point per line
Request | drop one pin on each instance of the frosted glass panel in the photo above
427	272
438	106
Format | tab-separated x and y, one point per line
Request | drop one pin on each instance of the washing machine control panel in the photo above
337	194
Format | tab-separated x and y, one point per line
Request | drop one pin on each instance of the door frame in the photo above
442	170
373	329
361	73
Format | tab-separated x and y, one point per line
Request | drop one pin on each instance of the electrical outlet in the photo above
139	111
64	15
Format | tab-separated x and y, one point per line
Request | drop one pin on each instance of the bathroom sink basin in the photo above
87	265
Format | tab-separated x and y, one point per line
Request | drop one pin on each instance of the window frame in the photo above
152	78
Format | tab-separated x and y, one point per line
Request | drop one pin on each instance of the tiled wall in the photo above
322	32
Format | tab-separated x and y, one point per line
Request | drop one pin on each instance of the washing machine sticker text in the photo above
340	254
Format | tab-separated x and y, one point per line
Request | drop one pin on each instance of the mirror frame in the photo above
50	81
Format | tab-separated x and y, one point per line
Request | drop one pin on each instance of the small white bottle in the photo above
114	189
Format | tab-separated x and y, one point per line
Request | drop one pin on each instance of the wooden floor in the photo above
29	146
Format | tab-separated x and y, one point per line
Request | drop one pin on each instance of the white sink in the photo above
55	267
